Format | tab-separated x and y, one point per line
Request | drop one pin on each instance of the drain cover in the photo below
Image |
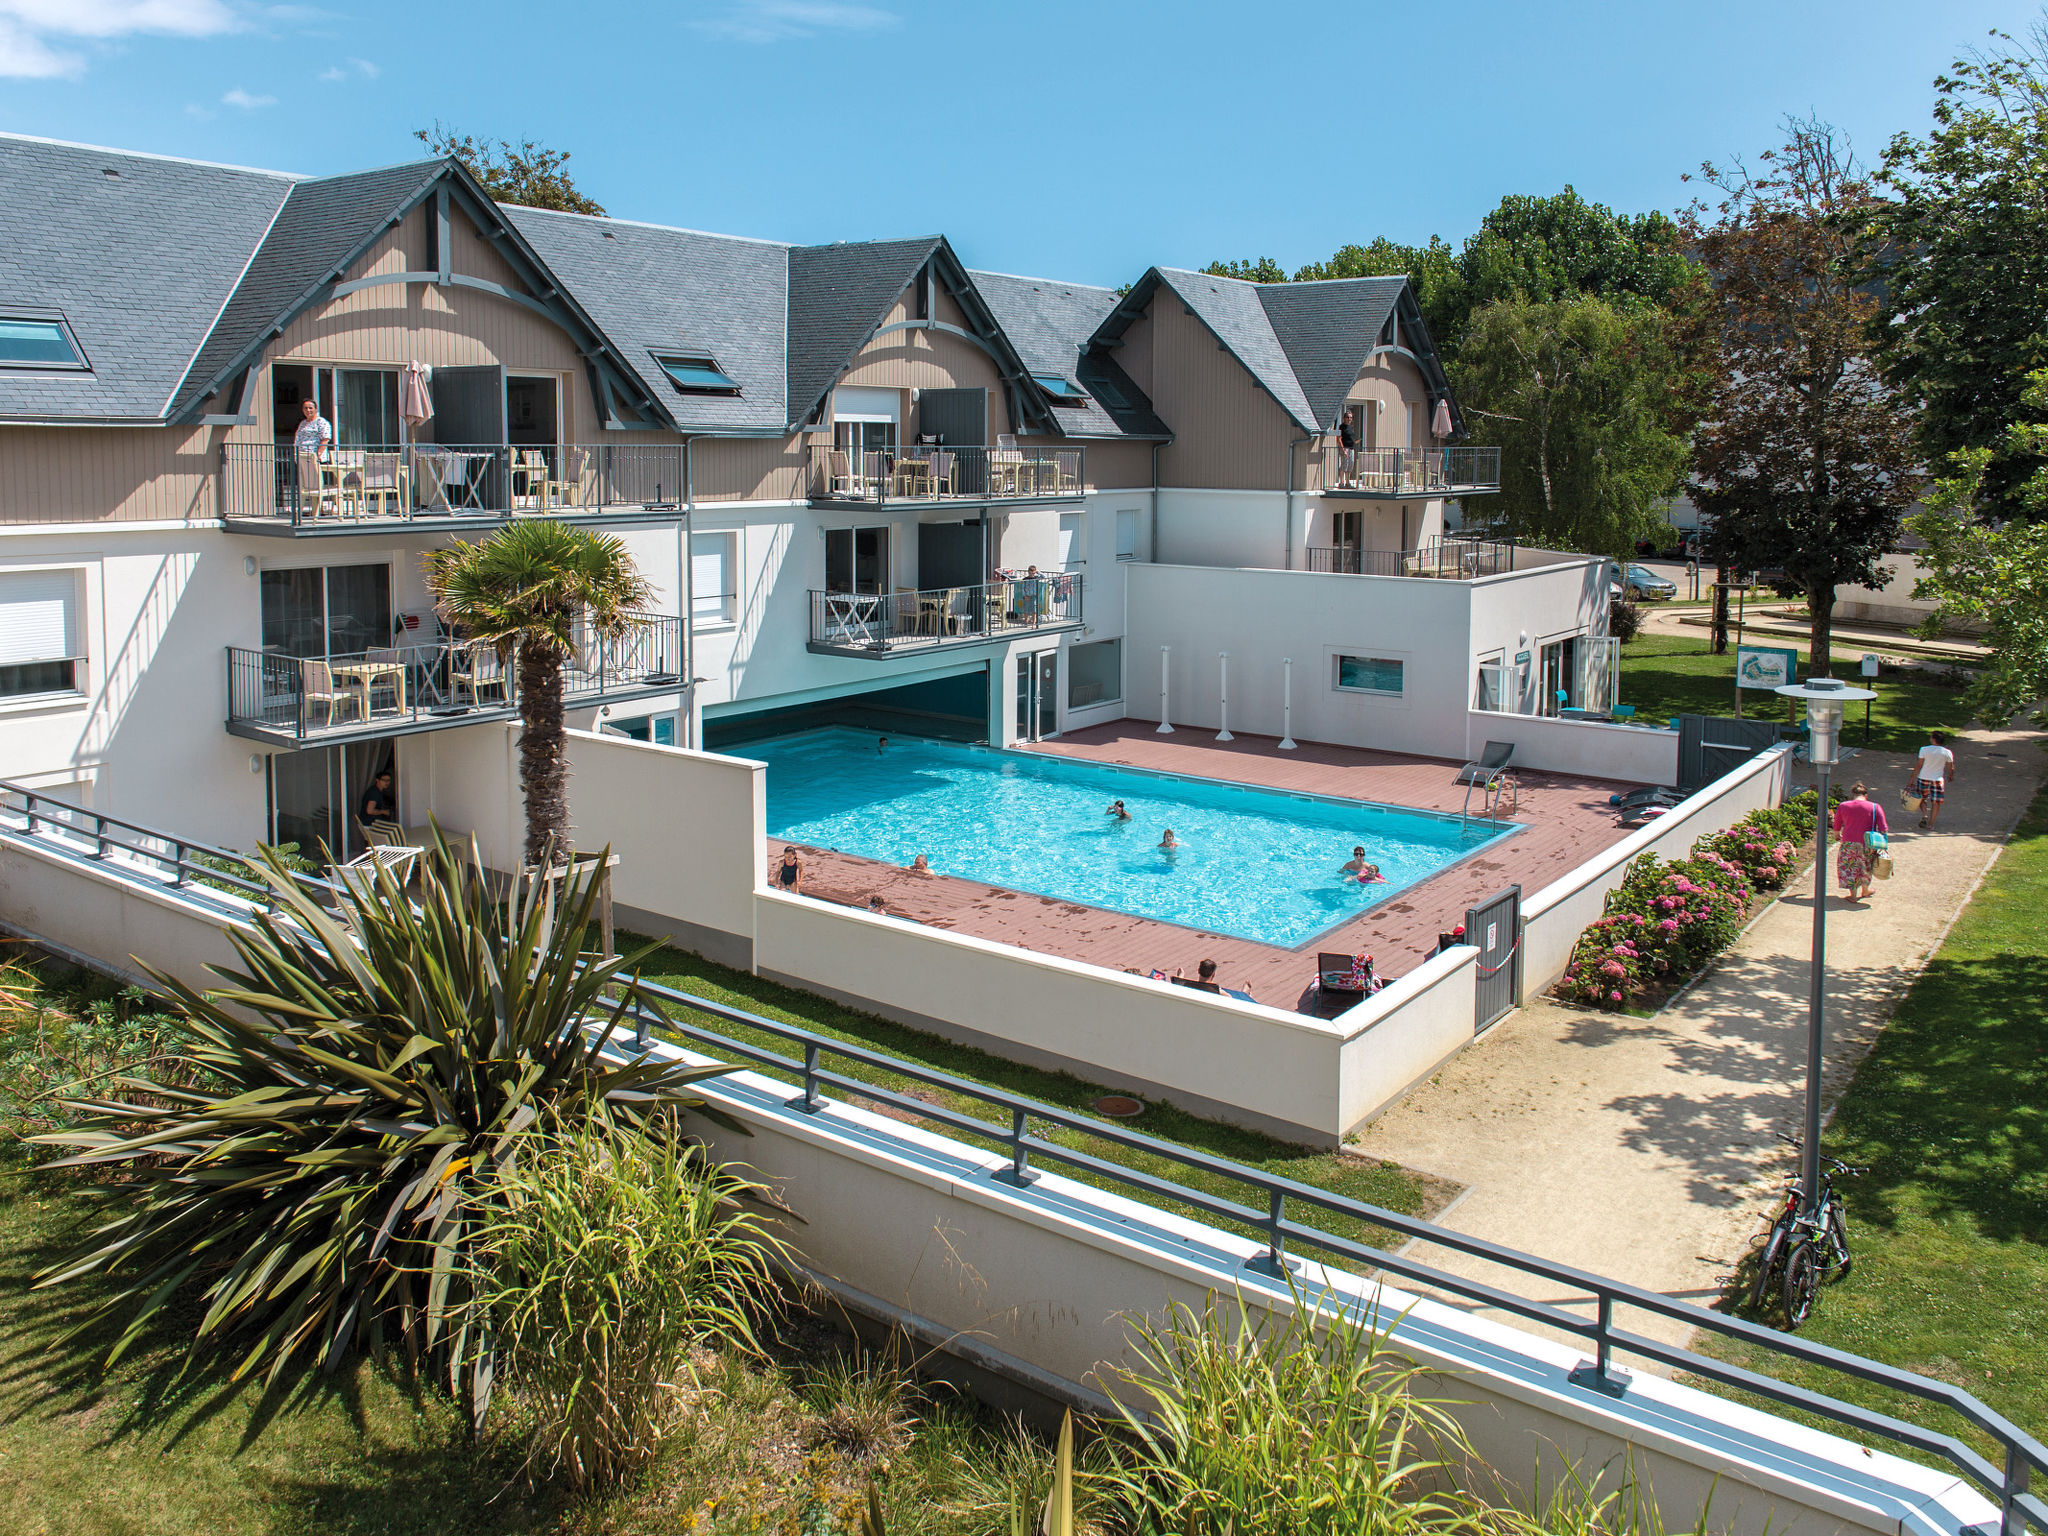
1119	1106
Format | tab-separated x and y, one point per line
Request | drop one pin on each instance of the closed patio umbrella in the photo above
1440	425
415	404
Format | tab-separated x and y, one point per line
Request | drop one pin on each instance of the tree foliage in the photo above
1963	253
527	173
1577	392
1803	456
360	1084
1993	572
532	588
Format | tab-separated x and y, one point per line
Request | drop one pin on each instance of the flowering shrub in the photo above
1665	921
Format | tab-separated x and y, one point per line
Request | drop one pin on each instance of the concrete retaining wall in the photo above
1632	753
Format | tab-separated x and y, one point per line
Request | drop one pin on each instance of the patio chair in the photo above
384	834
530	476
844	481
942	474
319	484
359	874
1067	470
1489	763
577	486
383	476
386	655
478	667
321	689
1337	972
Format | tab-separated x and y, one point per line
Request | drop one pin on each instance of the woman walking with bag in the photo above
1855	820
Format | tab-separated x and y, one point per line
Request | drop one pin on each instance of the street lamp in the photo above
1825	698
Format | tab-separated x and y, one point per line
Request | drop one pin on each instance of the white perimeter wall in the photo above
1225	528
1634	753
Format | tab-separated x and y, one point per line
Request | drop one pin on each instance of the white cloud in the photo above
204	114
241	98
775	21
351	70
32	32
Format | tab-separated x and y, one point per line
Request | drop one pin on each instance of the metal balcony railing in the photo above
1449	559
969	473
881	623
1406	471
271	482
404	687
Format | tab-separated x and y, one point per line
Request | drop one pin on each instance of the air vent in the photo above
110	173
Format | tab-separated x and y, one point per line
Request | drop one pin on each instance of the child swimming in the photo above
1358	869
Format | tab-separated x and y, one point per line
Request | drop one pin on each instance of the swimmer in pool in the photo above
1169	843
920	865
881	745
1116	811
1365	874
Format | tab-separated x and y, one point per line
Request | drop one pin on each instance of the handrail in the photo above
180	861
2007	1484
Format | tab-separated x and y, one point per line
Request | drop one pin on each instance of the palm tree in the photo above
526	589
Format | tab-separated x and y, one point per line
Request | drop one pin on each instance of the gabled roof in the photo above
324	226
1050	323
838	294
140	263
1303	342
655	289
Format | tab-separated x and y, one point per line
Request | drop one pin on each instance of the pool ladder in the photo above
1498	785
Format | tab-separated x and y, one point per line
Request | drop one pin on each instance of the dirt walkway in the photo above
1645	1148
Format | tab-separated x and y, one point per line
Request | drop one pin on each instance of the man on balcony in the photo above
1347	447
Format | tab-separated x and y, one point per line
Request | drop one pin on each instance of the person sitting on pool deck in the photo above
1205	981
1117	812
1169	843
790	876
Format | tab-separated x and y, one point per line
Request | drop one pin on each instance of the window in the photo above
657	729
696	373
713	592
1369	674
1127	534
1063	391
1108	393
37	341
39	634
1095	674
857	560
325	611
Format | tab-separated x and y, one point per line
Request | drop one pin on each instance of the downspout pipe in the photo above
1289	539
1152	539
686	544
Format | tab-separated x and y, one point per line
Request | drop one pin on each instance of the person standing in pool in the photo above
1116	811
1365	874
920	865
1170	844
881	745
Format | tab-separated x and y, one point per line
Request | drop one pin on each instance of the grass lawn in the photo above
1362	1178
1667	675
1950	1112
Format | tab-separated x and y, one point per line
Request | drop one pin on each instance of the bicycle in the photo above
1807	1249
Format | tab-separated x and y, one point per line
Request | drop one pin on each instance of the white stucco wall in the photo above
1225	528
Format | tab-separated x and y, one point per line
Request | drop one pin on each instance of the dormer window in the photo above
696	373
1063	391
38	341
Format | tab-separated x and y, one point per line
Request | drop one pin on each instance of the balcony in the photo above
1445	559
942	618
921	474
433	487
404	690
1395	473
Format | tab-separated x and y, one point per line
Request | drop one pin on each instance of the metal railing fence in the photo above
1441	471
881	622
274	482
1011	1132
919	472
1446	558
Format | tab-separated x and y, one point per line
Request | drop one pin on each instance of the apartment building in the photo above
867	484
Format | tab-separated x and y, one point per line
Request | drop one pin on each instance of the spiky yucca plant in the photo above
360	1086
527	588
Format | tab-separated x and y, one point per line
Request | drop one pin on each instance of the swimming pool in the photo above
1259	864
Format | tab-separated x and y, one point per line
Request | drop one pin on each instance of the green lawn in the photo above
1950	1112
1667	675
1368	1179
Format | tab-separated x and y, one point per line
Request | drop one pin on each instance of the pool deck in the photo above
1565	820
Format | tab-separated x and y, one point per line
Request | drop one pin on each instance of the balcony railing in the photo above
1408	471
271	483
886	623
404	688
1450	559
969	473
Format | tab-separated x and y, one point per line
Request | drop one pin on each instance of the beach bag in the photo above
1880	848
1911	800
1881	866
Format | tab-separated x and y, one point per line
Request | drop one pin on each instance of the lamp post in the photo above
1825	698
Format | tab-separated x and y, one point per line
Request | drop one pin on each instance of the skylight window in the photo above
36	341
1063	391
696	373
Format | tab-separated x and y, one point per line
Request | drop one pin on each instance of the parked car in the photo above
1640	581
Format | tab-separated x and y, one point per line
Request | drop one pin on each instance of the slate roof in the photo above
325	225
837	295
1049	323
1232	310
1327	330
651	288
141	265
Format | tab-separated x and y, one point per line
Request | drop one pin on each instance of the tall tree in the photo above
1964	255
1264	270
527	173
1577	392
1803	456
1996	572
529	588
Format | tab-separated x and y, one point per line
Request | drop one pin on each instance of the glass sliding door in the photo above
316	796
323	611
857	560
366	405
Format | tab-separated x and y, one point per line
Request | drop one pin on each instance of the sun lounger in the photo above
1649	793
1490	762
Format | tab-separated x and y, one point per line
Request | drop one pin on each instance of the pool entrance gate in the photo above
1494	927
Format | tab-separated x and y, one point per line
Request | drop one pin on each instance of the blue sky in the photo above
1083	139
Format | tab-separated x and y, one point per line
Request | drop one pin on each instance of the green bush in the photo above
617	1251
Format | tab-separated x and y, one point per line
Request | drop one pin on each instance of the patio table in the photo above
365	675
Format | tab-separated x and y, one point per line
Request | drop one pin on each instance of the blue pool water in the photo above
1259	864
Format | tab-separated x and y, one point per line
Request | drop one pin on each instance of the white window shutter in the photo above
38	616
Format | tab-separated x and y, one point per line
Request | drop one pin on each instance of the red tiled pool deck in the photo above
1565	820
